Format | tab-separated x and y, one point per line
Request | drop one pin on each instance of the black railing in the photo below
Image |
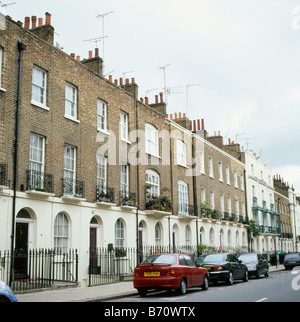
39	181
73	188
161	203
105	194
3	175
127	198
38	269
185	209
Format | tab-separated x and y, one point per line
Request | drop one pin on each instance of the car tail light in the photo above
171	272
218	268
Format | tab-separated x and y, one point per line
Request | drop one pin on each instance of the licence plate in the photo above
207	267
147	274
292	262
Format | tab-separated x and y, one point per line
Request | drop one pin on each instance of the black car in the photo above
256	264
291	260
224	267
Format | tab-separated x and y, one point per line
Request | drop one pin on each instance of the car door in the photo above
186	270
236	266
263	264
197	276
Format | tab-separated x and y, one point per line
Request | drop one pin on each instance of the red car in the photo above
169	271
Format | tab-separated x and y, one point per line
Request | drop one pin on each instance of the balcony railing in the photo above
3	175
185	209
74	188
160	203
128	199
39	181
105	194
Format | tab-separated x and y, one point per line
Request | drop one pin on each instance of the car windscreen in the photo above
213	258
160	259
248	258
292	256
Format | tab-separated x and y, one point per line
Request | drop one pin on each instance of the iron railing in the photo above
39	181
105	194
73	188
127	198
38	269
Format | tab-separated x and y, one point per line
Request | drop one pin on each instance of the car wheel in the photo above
142	292
245	279
205	284
258	273
183	287
267	273
230	279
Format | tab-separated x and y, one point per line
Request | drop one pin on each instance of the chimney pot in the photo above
156	100
146	101
72	55
176	116
171	116
191	125
110	78
116	82
78	58
180	115
133	80
142	100
48	18
121	81
40	22
33	20
127	81
198	121
161	97
184	114
194	121
96	52
202	121
27	22
90	54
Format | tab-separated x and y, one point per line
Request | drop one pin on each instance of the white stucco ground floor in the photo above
44	221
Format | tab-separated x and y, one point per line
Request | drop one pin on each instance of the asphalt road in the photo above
280	286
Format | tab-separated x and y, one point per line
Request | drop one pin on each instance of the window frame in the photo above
151	140
61	233
124	174
155	186
43	87
70	170
101	117
73	102
181	153
124	120
183	198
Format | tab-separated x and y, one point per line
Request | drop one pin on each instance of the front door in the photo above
21	250
93	249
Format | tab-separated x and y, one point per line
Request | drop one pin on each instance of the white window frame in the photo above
182	198
181	153
203	198
153	180
158	234
212	200
201	160
70	172
61	233
220	168
222	205
124	126
119	234
102	172
227	175
101	116
124	179
71	102
210	167
36	160
229	206
39	87
187	235
242	182
151	140
235	179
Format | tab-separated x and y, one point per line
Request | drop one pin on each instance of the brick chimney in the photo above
159	105
131	87
45	32
94	63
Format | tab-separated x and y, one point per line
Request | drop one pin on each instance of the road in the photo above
280	286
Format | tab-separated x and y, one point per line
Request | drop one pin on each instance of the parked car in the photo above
169	271
256	264
224	267
6	294
291	260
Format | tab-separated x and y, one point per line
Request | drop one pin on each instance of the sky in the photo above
242	59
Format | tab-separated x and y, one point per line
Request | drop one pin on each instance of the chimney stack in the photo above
33	21
48	18
27	22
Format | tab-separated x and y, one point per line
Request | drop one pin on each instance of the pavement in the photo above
90	294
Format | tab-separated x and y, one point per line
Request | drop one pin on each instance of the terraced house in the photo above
87	165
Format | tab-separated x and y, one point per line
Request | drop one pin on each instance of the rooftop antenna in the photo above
102	16
187	95
165	82
126	73
150	90
3	5
95	40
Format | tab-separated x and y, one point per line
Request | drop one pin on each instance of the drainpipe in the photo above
21	48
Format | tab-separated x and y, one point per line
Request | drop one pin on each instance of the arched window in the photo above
152	182
182	198
119	234
158	235
187	235
151	136
61	233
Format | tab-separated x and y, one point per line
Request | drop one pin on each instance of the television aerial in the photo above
3	5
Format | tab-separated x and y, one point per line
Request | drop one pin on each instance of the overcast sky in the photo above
245	54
